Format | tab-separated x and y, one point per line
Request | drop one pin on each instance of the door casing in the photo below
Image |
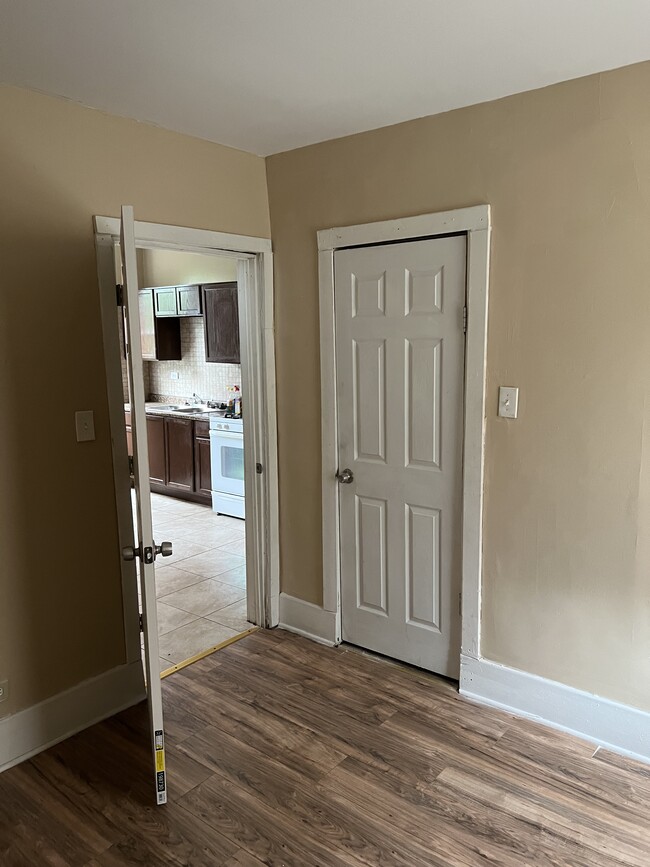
475	223
255	280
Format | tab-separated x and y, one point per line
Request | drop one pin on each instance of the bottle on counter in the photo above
234	401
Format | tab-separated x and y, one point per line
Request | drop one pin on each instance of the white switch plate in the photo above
508	401
174	375
84	420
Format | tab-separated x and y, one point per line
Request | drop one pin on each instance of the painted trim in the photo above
471	219
159	234
30	731
258	269
308	620
475	223
608	723
108	265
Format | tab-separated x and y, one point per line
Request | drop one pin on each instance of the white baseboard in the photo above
307	619
36	728
609	724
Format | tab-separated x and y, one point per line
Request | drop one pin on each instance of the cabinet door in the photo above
188	300
221	321
180	453
156	443
161	338
202	478
165	301
147	324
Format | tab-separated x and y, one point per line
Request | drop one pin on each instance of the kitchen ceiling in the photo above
272	75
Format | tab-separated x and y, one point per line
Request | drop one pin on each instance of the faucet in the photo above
197	399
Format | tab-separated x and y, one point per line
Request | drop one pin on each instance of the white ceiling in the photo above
271	75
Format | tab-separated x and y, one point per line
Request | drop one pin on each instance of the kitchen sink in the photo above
191	409
160	407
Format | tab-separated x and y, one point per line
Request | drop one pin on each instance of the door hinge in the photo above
131	466
119	294
141	621
460	604
465	319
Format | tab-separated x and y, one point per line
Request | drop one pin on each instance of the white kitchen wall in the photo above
195	374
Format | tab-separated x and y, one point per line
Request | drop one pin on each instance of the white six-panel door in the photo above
400	358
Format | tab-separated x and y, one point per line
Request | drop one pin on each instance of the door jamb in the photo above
475	222
255	276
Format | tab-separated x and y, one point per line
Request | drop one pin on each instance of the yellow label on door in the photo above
160	760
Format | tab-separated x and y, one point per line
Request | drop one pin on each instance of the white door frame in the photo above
475	223
255	280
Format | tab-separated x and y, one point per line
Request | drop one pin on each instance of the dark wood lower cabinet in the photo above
202	468
157	451
179	456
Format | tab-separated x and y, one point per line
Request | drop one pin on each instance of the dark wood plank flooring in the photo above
283	752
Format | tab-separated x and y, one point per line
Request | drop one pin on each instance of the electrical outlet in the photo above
4	689
174	375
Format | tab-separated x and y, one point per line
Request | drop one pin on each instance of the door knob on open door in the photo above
164	549
345	477
130	553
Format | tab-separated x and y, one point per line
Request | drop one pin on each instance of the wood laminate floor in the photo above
284	752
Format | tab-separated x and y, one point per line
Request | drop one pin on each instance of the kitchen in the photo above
192	381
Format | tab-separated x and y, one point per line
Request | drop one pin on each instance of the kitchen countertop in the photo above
164	410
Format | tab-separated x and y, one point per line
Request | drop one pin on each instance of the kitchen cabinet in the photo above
165	301
188	300
157	456
161	338
180	454
221	322
129	434
202	466
175	301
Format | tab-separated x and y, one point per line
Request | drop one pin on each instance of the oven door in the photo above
227	462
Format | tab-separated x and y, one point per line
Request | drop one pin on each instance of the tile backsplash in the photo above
208	380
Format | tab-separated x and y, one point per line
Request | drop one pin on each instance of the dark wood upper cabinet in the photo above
180	453
161	338
221	321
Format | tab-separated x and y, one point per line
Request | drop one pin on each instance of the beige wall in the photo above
567	510
60	600
169	268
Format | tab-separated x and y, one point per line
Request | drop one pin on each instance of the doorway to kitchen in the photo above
189	321
204	298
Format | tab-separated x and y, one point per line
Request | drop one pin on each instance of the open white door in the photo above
146	549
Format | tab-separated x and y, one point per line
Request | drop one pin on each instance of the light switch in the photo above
508	401
84	421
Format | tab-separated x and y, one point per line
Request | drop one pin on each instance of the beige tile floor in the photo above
201	588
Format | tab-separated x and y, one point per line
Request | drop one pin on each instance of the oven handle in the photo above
227	435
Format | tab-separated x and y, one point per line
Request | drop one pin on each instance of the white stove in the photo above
227	465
